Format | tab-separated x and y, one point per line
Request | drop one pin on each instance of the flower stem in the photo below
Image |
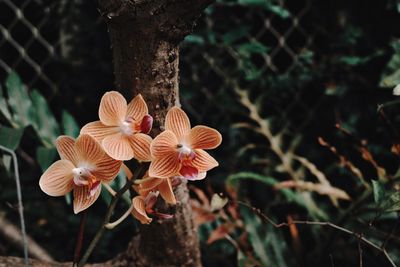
126	214
138	173
109	189
79	241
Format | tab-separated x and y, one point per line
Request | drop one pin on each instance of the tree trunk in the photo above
145	37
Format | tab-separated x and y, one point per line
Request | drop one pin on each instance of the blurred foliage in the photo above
293	86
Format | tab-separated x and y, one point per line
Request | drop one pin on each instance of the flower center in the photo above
127	127
131	126
83	177
186	154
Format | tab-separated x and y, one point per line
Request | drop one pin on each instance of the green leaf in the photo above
234	35
278	10
252	2
267	5
390	80
379	191
43	120
252	48
195	39
10	137
268	243
393	202
45	156
4	107
19	101
70	126
253	226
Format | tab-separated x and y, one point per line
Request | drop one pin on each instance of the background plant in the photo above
347	64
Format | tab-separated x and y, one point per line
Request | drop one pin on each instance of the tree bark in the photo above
145	37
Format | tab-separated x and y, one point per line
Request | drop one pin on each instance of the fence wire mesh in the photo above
260	42
30	40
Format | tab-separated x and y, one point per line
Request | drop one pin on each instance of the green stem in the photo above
139	172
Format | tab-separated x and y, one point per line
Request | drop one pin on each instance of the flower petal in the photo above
203	161
189	172
204	137
57	180
66	148
164	144
137	108
165	167
149	185
139	210
201	175
178	122
88	149
112	110
98	130
83	198
166	191
107	168
140	144
118	147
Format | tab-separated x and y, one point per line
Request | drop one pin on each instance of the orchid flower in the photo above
141	206
82	168
122	128
180	148
151	184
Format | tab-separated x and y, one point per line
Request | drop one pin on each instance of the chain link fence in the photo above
30	41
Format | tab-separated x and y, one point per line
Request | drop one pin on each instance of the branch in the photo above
328	224
13	234
139	172
20	206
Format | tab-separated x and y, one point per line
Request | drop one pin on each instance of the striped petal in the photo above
118	147
112	110
165	167
98	130
83	198
140	144
203	161
166	191
178	122
149	185
137	108
164	144
107	169
88	149
66	148
204	137
57	180
139	210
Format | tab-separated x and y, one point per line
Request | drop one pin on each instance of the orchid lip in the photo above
185	152
126	127
83	177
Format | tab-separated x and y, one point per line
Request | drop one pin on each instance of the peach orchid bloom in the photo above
179	150
151	184
122	129
142	206
139	209
82	168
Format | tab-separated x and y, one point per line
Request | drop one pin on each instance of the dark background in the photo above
306	65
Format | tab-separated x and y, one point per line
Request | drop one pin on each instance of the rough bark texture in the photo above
145	37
